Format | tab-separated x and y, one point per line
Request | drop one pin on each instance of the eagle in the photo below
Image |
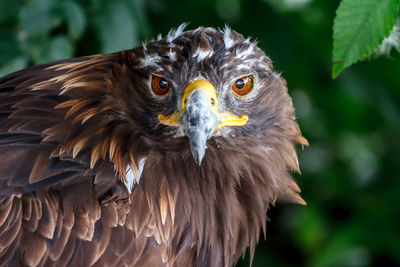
168	154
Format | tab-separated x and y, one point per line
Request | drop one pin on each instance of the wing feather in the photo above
34	122
55	172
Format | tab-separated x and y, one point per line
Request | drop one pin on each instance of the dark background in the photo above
351	171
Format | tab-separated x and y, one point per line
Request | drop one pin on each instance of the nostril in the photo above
212	101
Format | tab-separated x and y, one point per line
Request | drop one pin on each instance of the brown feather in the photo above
33	249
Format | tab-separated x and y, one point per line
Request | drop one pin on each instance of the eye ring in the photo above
243	85
160	85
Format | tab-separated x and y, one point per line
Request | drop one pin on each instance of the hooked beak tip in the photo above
198	156
199	122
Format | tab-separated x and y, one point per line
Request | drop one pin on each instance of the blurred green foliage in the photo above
351	171
37	31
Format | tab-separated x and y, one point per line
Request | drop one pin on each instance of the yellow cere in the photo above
203	86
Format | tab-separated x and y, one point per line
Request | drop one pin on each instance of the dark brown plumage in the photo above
92	172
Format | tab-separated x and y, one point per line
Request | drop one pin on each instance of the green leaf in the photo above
141	18
359	28
288	5
74	16
12	7
116	27
13	65
35	19
58	48
8	46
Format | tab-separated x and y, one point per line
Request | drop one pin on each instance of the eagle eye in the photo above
160	85
243	86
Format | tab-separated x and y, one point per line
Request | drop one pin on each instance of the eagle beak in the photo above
200	116
199	122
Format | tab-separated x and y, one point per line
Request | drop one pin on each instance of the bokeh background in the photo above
351	171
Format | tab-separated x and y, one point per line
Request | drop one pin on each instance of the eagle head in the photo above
206	88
